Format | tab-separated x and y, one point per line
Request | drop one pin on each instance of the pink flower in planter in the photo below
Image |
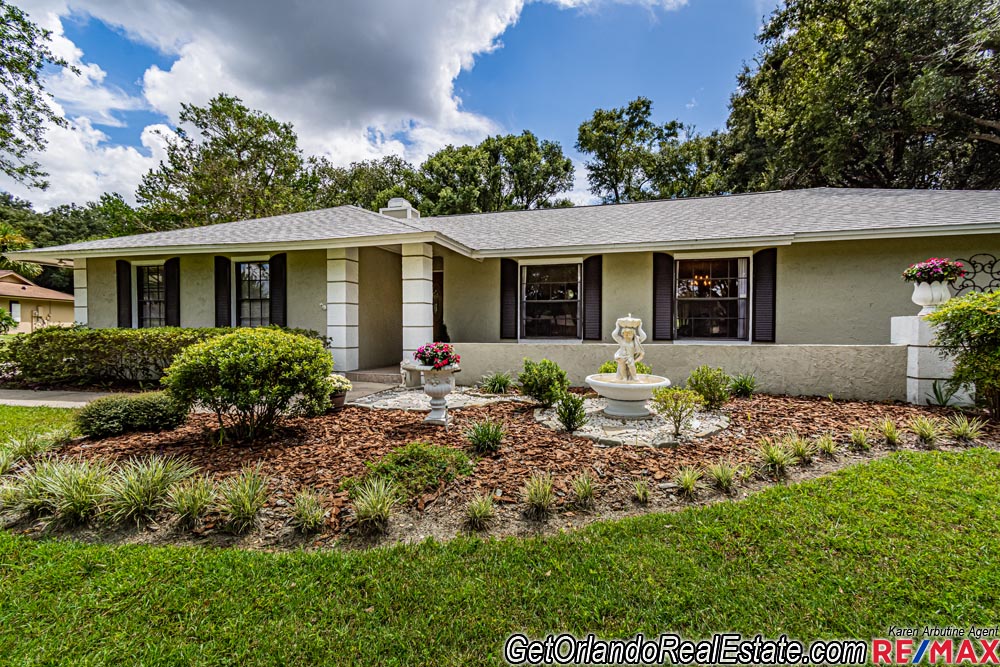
935	269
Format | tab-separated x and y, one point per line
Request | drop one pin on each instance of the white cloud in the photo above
358	79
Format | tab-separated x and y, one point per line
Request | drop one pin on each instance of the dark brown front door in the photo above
439	333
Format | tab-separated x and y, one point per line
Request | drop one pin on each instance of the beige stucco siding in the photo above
845	292
626	287
102	293
197	290
306	290
380	309
471	297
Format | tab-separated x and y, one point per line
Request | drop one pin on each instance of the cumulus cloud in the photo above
358	79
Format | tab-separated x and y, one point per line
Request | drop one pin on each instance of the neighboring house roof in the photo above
765	218
15	286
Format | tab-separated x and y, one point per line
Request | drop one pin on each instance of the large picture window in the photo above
150	296
253	294
550	301
713	298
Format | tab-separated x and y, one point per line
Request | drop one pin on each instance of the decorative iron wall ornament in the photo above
982	274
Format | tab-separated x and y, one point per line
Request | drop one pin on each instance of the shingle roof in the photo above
765	214
787	214
329	223
25	289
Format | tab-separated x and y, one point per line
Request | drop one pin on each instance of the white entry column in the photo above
924	365
342	307
418	297
80	314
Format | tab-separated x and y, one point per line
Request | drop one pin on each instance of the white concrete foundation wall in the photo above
864	372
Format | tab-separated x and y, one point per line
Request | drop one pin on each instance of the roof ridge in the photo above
382	215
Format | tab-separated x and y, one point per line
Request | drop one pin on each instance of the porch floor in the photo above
384	375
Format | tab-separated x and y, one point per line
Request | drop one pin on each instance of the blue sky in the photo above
368	78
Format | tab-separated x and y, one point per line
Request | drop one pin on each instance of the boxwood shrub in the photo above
78	356
129	413
250	378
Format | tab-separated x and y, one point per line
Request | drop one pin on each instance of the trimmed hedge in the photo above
79	356
130	413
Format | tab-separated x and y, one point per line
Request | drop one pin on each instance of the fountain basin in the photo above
626	400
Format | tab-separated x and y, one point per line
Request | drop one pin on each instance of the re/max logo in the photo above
944	651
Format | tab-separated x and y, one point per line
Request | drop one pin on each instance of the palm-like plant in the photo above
12	240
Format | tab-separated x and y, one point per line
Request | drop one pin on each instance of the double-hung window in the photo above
713	298
150	296
253	294
550	301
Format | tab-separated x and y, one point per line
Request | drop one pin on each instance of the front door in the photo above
440	335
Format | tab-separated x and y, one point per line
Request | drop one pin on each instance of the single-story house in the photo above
774	282
31	306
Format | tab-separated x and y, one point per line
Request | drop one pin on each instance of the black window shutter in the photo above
765	274
592	297
663	296
223	292
278	271
124	280
508	298
172	291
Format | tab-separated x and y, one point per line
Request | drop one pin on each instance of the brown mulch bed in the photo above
321	452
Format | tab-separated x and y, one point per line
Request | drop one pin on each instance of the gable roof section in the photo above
746	220
22	288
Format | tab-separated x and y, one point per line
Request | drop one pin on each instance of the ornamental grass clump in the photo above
479	513
75	489
308	513
486	436
7	461
28	444
803	450
724	475
743	385
826	445
29	491
641	491
965	430
251	378
242	497
138	488
374	502
860	439
496	383
191	499
890	432
677	406
688	481
570	412
583	490
712	384
539	495
543	381
775	457
927	429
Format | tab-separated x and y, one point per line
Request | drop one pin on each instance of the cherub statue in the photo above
629	335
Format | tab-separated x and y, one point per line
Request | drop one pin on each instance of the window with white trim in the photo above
253	294
713	299
15	311
550	301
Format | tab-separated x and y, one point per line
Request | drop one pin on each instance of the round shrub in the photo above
712	384
130	413
251	378
543	381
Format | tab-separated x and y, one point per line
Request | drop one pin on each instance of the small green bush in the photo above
712	384
479	513
775	457
419	467
139	488
251	378
965	430
374	503
677	406
743	385
543	381
485	436
539	495
308	513
7	322
130	413
75	489
927	429
612	367
570	412
724	475
191	499
584	490
496	383
640	491
688	481
242	497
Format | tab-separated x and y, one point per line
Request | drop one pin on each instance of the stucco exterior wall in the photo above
197	291
864	372
626	287
59	313
102	293
306	290
471	297
846	292
380	310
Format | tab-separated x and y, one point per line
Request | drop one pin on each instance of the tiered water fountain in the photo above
627	391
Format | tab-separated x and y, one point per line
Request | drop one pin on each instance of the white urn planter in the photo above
930	295
438	383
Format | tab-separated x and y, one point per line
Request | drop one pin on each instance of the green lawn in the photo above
14	419
907	539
